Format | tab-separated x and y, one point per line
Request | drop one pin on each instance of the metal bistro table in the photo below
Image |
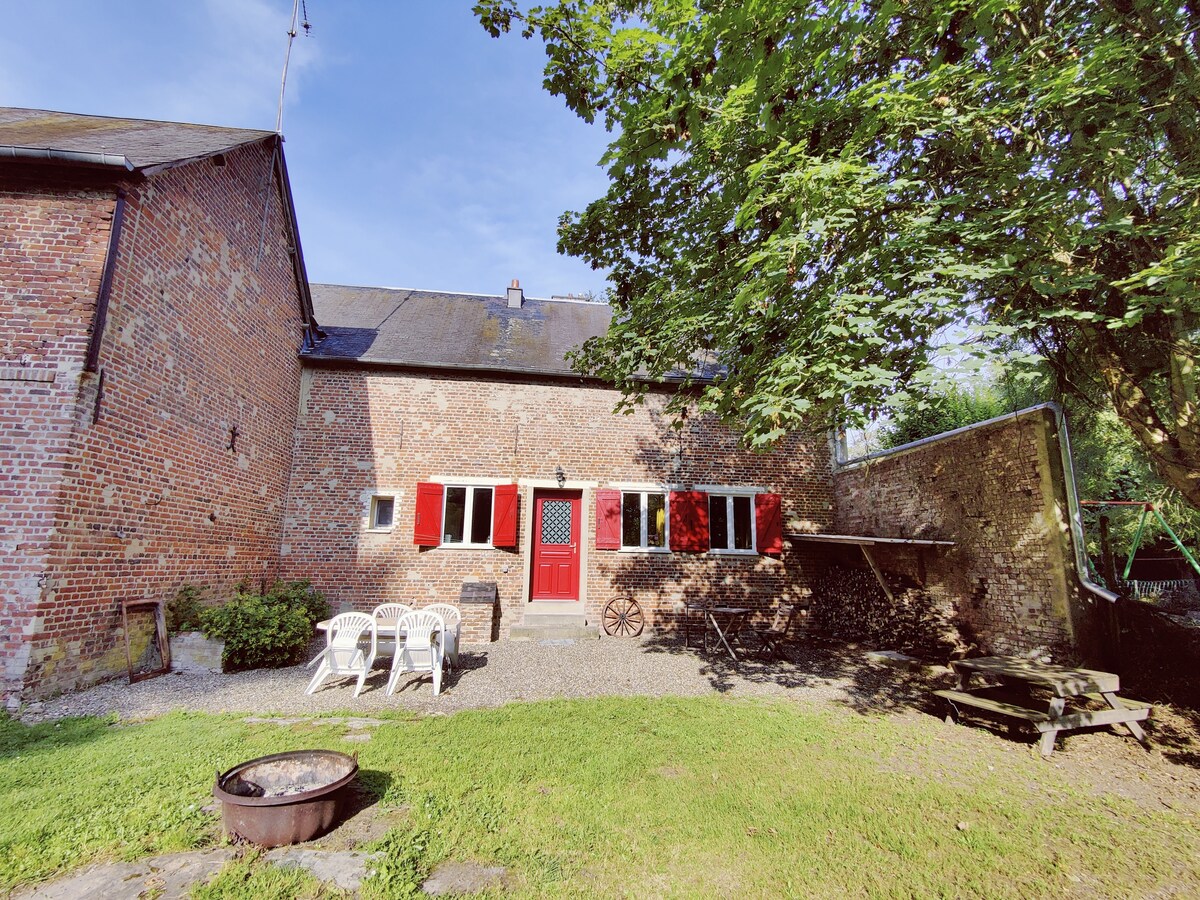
1013	698
711	616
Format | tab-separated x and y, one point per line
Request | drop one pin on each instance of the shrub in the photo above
184	609
265	630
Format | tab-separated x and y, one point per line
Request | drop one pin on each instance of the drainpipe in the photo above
106	281
1077	541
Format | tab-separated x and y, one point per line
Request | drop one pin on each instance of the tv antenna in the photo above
307	26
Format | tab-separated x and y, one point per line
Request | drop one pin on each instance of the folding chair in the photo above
772	638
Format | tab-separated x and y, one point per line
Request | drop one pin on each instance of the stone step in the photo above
539	619
577	632
554	608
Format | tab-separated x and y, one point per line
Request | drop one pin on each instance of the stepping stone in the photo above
463	878
168	877
346	869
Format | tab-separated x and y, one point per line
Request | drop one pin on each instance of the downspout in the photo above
1077	539
106	281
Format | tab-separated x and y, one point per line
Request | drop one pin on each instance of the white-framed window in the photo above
644	520
382	513
467	516
731	523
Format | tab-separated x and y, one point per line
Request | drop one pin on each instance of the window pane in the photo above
631	520
481	516
456	508
556	522
381	512
718	522
656	520
743	537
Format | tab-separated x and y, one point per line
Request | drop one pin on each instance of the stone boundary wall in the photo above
998	491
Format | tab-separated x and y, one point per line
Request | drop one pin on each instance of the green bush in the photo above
184	609
265	630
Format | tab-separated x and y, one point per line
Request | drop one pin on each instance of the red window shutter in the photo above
427	527
504	516
768	521
689	521
608	520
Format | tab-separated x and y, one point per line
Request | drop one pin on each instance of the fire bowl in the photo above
284	798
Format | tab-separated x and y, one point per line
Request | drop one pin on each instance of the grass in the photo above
668	797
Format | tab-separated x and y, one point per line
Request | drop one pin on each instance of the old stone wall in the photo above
997	491
174	468
364	432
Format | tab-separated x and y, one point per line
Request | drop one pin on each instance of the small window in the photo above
643	520
731	522
467	516
383	511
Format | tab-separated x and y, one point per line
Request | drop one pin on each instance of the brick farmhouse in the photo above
179	406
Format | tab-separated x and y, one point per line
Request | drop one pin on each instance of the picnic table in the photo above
1013	698
726	621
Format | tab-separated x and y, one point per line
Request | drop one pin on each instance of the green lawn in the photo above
670	797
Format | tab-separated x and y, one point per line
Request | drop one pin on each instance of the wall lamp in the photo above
560	475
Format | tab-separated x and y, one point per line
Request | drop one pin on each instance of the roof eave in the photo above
475	368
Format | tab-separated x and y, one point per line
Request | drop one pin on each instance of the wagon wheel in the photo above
623	617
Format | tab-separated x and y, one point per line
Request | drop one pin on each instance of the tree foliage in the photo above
847	203
942	412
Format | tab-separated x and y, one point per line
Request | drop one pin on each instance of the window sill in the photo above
380	530
747	553
646	551
464	547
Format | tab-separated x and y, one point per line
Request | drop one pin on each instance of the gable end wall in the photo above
202	336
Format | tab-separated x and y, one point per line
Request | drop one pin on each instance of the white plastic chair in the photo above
453	619
390	613
422	648
342	655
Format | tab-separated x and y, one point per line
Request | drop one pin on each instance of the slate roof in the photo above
144	143
431	329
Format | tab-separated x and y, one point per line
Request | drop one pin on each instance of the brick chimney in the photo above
516	296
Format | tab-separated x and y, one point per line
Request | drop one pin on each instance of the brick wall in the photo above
202	337
52	250
362	432
998	493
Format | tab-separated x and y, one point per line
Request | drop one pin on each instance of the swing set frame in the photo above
1148	509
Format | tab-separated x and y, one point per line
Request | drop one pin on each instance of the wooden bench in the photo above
991	705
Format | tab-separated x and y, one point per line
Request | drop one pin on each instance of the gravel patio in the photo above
494	674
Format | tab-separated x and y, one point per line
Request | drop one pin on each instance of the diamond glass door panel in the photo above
556	530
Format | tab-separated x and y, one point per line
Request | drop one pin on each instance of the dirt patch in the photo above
1164	774
366	821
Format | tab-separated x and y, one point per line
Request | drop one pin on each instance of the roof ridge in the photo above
412	290
265	132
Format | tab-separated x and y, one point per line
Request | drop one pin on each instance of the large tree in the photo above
843	202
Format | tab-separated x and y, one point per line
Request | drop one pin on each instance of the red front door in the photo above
556	529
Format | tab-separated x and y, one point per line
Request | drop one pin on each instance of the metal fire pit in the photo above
284	798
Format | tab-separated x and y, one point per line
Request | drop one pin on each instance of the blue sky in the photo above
422	152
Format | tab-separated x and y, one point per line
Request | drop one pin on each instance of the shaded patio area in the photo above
494	674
